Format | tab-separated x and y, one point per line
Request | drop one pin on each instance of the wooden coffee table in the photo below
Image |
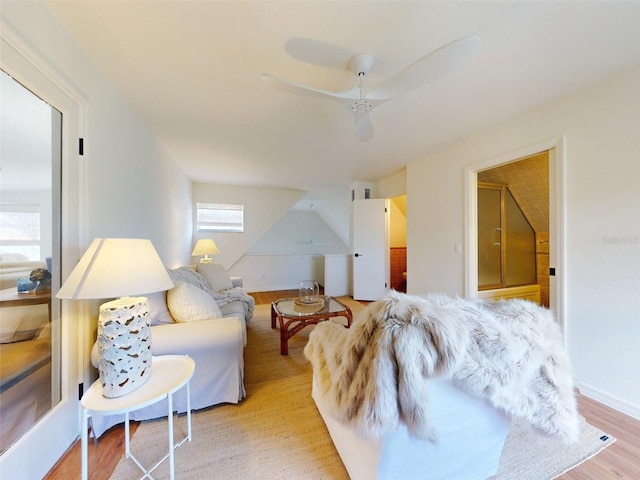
294	316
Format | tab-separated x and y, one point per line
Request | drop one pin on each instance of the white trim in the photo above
471	231
56	430
13	38
609	400
557	201
557	256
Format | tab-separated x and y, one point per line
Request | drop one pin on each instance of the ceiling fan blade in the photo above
434	66
317	52
304	90
364	128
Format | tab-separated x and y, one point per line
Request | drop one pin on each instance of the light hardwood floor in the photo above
619	461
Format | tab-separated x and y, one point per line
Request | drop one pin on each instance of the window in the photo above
220	217
20	230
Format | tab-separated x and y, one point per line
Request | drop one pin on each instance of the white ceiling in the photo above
192	71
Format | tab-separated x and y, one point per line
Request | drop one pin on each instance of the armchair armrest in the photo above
236	281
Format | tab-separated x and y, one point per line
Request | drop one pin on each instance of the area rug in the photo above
277	433
527	455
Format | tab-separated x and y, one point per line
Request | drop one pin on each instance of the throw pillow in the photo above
188	303
190	276
158	309
216	276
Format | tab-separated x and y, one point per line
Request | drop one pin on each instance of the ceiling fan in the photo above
362	99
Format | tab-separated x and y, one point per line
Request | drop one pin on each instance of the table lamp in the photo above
119	267
206	247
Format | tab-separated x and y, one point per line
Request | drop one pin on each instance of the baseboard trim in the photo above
609	400
271	288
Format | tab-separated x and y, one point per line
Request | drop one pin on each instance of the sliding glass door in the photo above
506	240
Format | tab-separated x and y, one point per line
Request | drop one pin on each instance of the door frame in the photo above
60	427
556	148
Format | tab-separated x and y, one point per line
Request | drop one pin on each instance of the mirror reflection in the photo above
30	133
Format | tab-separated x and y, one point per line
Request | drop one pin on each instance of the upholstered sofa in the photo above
11	270
425	387
470	437
204	316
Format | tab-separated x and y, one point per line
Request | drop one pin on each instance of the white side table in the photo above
169	373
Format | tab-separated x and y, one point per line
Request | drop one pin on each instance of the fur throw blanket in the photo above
510	353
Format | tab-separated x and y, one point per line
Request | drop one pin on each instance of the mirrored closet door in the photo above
30	183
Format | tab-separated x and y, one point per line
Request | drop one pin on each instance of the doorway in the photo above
513	225
549	244
398	243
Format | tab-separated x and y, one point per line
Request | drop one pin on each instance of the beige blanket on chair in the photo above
508	352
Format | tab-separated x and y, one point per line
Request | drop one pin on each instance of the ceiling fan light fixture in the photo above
361	106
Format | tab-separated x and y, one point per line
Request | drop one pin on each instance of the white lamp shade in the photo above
205	246
116	267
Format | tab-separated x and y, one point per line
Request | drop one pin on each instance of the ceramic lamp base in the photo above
124	345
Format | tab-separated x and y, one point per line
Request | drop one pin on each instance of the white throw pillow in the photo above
217	277
188	303
158	310
190	276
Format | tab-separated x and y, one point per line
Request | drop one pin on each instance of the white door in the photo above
370	248
59	424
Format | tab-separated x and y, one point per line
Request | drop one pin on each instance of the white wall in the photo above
393	185
263	207
291	251
601	125
333	204
300	232
273	271
279	247
133	187
397	223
